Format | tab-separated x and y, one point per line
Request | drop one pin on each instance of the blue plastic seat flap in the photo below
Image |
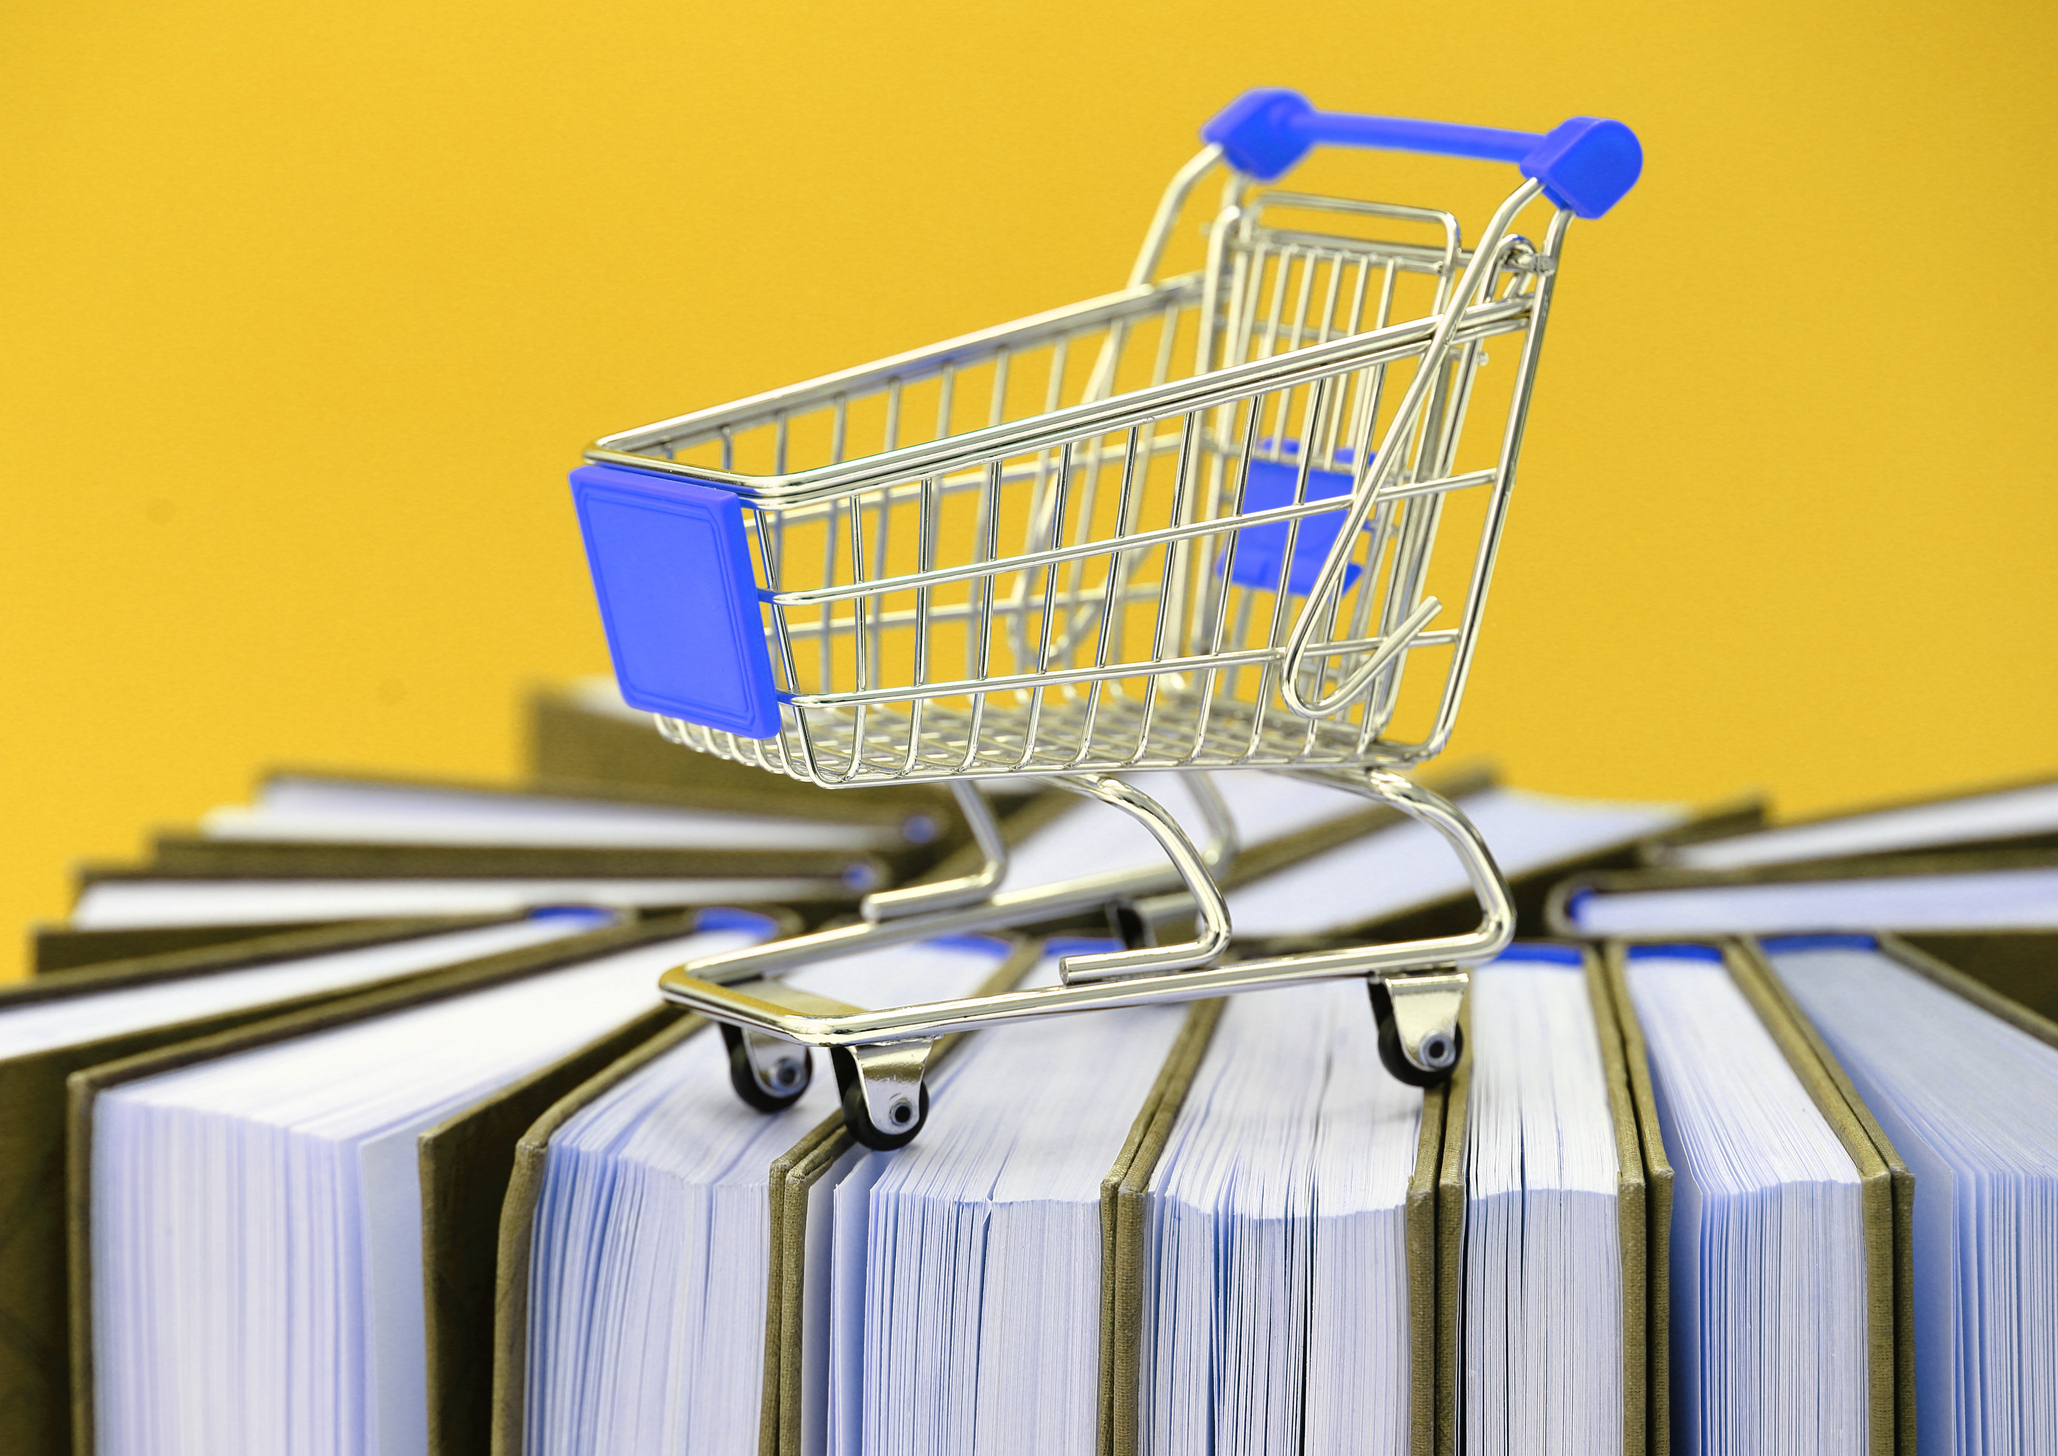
671	571
1260	550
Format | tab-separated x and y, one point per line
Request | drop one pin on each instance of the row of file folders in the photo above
352	1123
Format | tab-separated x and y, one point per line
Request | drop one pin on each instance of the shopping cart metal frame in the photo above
1352	541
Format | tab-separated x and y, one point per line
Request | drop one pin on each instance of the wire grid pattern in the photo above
1082	541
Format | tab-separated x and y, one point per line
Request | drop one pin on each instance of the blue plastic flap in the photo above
671	569
1260	550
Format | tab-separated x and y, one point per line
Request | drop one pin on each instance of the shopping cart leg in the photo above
1420	1040
1212	911
883	1100
972	889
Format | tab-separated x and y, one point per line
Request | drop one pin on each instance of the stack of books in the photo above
352	1122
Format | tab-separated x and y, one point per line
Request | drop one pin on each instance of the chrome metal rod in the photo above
1426	806
971	889
912	1023
1329	582
1223	845
1212	935
914	364
1168	212
1094	417
1058	901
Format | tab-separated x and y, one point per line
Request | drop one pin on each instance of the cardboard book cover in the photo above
1887	1188
792	1175
85	1086
35	1354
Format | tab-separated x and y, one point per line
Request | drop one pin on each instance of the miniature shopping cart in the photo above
1189	526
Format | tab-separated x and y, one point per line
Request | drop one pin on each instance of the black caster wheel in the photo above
795	1071
858	1118
1435	1047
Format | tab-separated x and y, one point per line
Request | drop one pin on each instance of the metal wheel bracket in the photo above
777	1065
770	1071
890	1076
1425	1013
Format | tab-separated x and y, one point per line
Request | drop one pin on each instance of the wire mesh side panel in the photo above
1120	595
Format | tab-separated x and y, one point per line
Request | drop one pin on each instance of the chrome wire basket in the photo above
1191	525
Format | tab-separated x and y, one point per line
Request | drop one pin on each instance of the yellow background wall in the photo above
307	309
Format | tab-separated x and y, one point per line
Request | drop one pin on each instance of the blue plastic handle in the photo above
1586	164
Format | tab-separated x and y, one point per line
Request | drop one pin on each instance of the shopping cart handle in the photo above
1585	164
